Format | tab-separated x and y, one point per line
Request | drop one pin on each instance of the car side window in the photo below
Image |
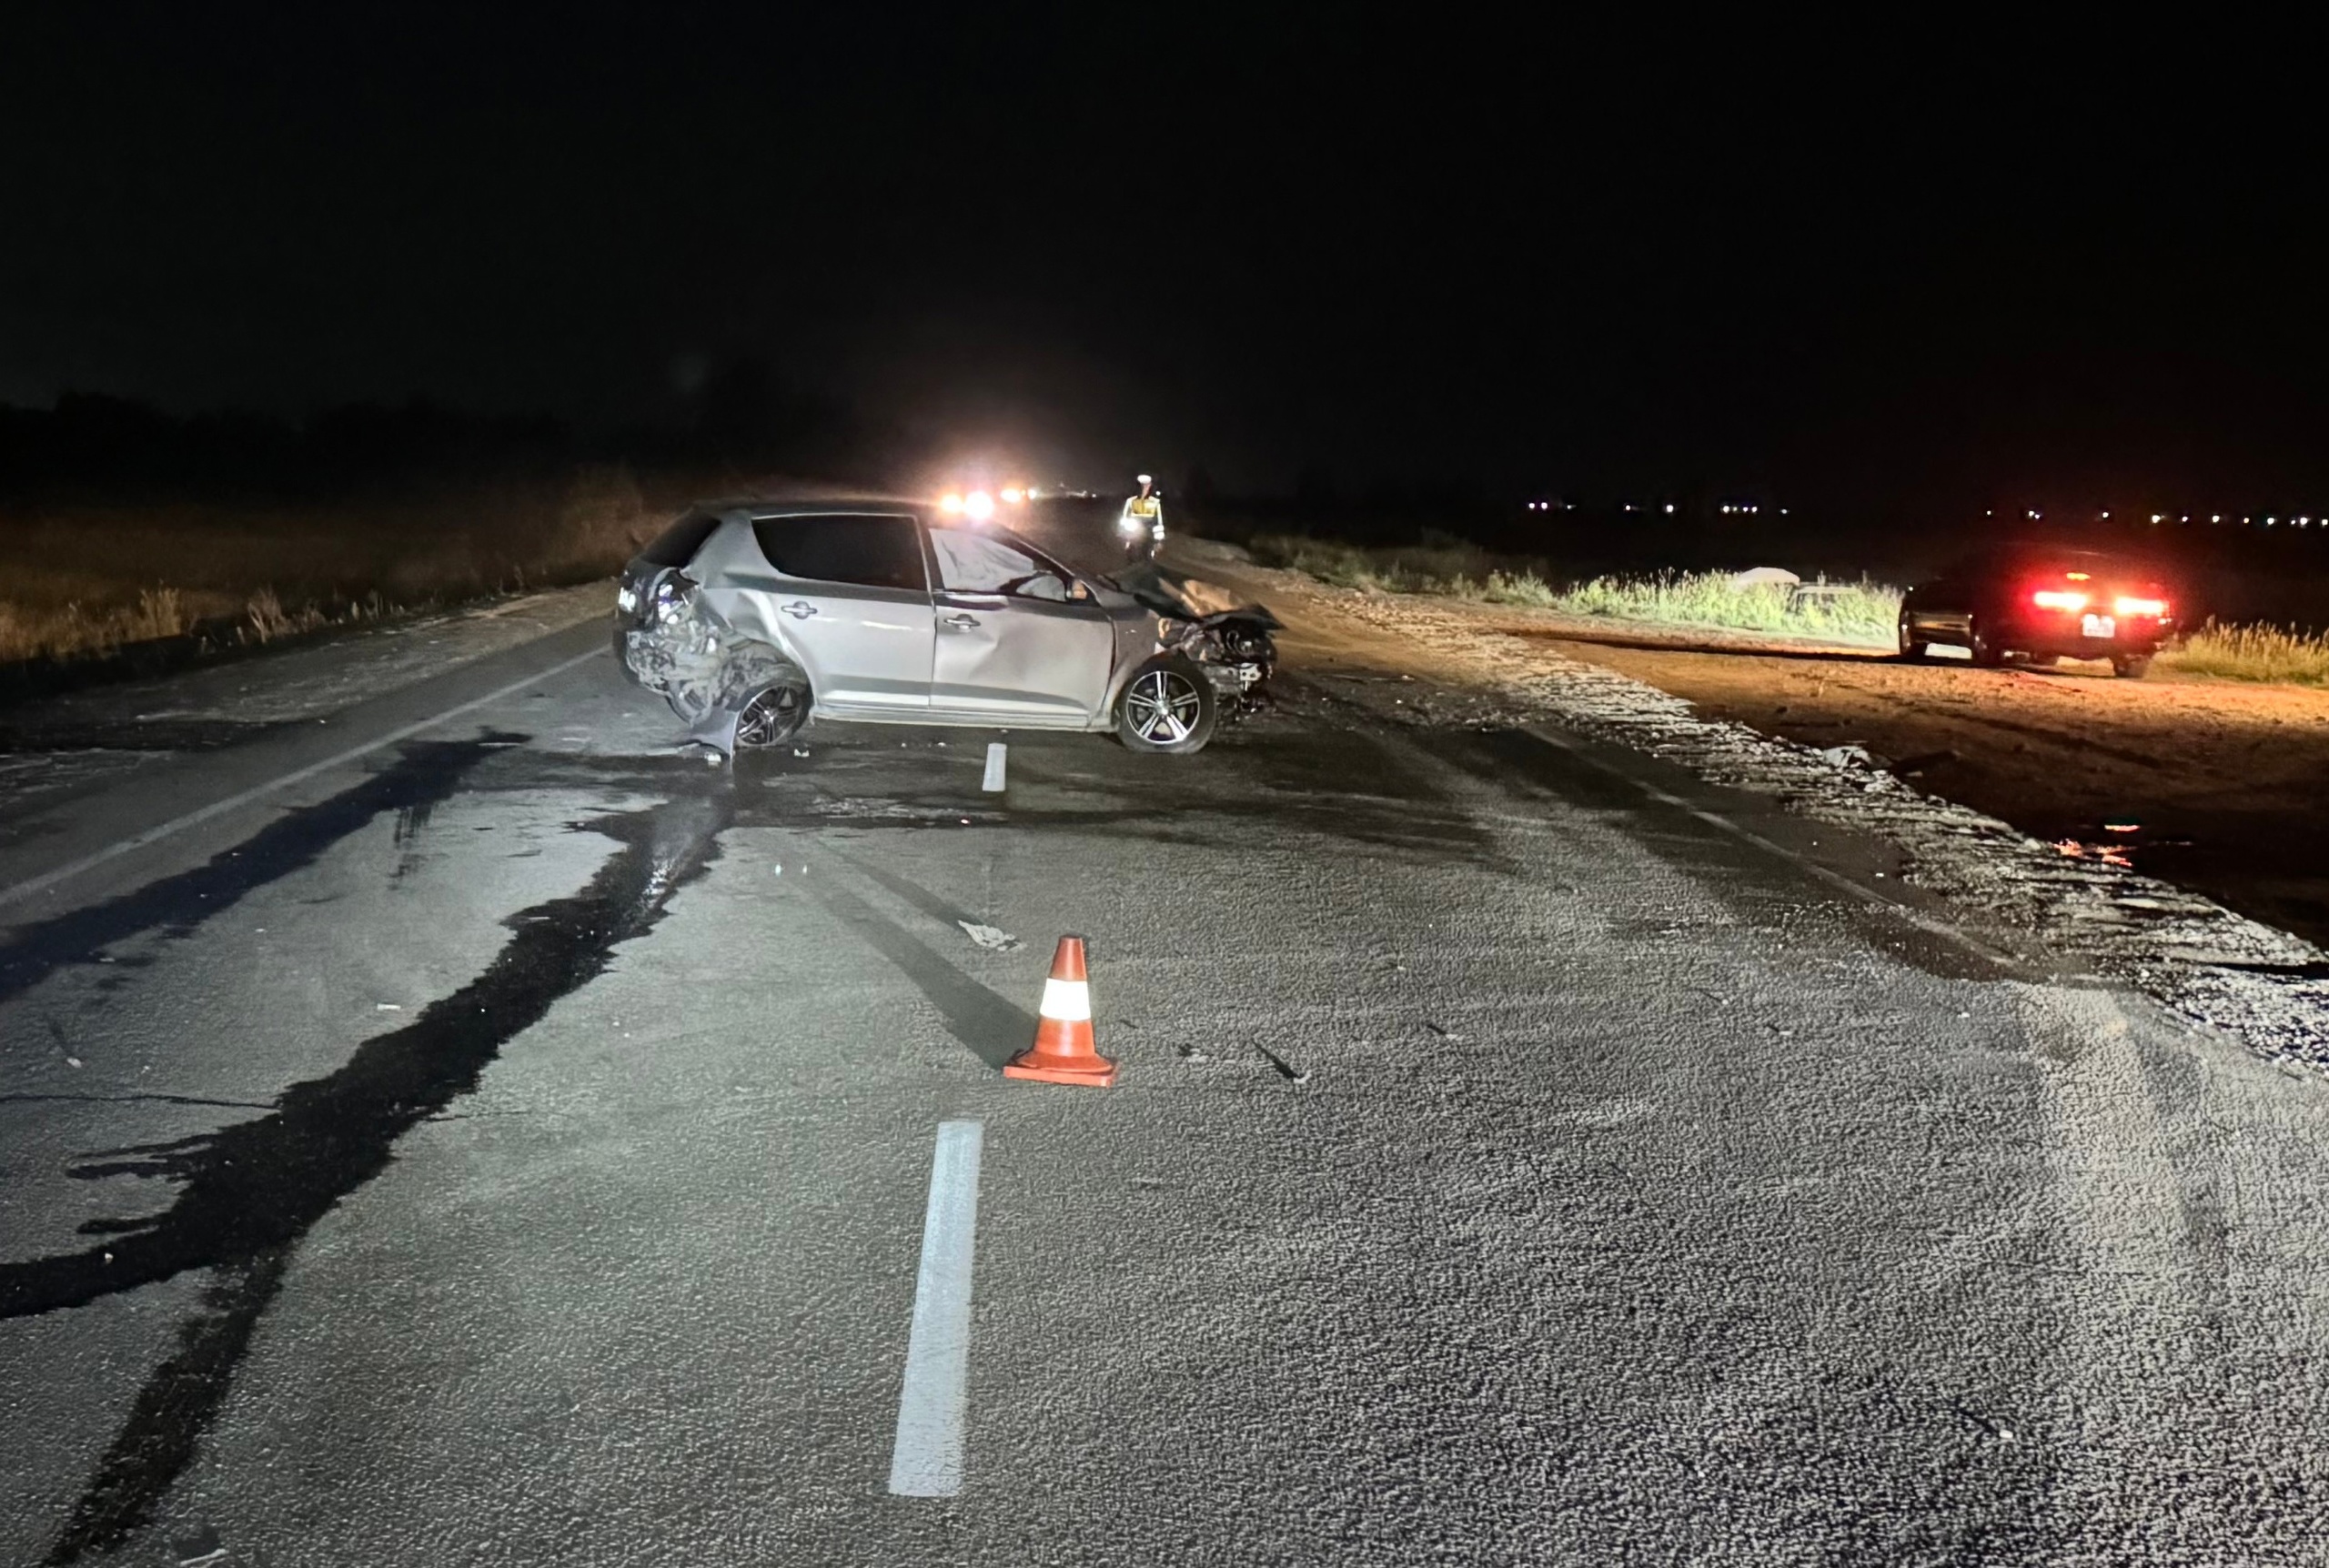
970	561
868	550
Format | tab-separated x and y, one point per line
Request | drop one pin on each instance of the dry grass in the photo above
1863	611
1857	612
2255	653
92	580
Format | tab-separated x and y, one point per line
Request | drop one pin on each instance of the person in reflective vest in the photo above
1142	526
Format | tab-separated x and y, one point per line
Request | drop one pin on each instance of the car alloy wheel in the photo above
1163	706
769	719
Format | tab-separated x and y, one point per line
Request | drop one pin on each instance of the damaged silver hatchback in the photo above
750	618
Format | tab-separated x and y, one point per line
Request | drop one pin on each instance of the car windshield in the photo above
994	561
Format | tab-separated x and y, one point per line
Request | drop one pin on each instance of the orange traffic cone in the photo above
1064	1052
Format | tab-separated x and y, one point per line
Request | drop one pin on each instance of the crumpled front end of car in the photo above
1235	650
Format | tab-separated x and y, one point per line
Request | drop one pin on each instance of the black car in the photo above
2042	603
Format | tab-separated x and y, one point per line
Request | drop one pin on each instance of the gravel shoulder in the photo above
1999	787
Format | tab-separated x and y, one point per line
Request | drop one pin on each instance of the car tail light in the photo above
2058	598
2127	605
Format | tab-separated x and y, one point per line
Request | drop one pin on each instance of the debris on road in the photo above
993	939
200	1549
996	757
1287	1069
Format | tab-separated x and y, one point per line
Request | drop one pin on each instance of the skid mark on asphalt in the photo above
993	1029
914	893
1599	784
422	777
247	1193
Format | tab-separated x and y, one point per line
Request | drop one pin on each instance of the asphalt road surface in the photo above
462	1131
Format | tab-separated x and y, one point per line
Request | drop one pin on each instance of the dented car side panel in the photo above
715	633
863	647
1048	664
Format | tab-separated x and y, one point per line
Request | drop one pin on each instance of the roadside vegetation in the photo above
2264	653
1862	612
89	581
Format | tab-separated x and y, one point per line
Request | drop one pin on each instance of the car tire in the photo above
773	717
2131	666
1986	654
1911	649
1166	707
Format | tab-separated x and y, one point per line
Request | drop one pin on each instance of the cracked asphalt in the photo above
508	1145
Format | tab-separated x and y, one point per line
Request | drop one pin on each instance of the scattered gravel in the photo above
2198	959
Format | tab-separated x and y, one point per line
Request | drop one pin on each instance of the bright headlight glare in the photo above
979	504
950	503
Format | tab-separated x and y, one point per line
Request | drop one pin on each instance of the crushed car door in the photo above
850	598
1018	637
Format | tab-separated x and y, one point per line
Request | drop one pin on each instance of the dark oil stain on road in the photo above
172	1408
247	1193
423	776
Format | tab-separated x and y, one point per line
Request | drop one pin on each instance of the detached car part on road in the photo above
2042	603
748	617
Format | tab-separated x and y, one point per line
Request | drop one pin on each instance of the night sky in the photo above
1911	268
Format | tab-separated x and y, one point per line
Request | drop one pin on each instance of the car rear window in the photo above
870	550
677	545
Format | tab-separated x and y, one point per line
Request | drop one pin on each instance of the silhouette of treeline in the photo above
126	450
92	445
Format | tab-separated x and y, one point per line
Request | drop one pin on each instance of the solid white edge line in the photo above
235	801
926	1456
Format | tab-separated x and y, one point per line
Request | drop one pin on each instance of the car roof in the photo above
810	506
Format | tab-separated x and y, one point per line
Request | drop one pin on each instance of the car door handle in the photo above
801	610
960	622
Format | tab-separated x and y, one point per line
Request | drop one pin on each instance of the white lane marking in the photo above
1835	880
240	798
996	752
926	1459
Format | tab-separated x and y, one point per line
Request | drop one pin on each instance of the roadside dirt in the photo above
2215	786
